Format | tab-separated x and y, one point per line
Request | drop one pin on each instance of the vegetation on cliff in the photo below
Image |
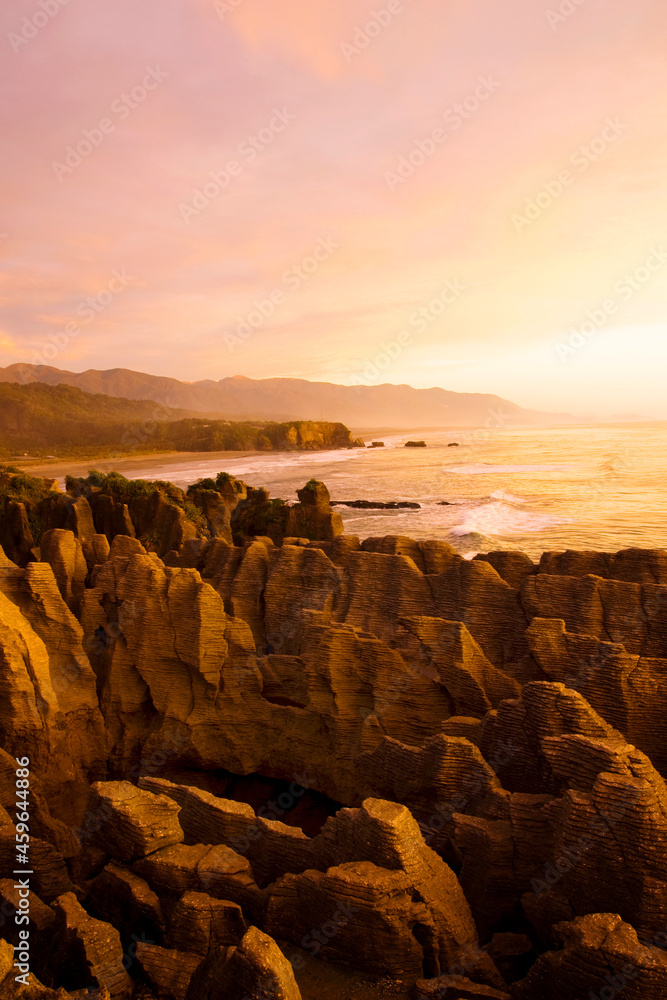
44	420
158	513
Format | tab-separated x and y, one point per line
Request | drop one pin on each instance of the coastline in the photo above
57	468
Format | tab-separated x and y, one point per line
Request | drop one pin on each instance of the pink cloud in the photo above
355	119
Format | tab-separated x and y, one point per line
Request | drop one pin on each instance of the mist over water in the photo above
600	487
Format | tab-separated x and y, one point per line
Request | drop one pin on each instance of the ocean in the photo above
594	486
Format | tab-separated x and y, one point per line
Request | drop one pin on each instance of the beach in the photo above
129	465
595	486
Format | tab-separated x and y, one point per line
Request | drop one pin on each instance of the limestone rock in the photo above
608	609
271	847
599	953
630	565
627	690
491	698
205	818
217	871
55	718
356	914
575	563
11	990
501	857
519	726
50	877
200	923
414	887
41	916
63	551
168	971
6	958
120	897
257	970
474	685
513	567
135	822
247	588
444	776
312	517
609	839
216	511
85	951
16	538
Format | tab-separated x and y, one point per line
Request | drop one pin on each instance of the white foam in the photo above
507	496
502	519
266	466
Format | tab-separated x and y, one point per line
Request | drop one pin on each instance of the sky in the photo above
463	193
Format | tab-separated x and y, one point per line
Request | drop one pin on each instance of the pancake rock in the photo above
168	971
503	718
600	956
135	823
86	951
394	885
256	970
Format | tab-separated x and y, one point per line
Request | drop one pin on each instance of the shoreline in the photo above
57	468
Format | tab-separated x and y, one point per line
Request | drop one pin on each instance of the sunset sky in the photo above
463	193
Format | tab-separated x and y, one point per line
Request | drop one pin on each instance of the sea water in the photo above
594	486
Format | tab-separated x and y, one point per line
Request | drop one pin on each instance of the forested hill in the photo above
64	421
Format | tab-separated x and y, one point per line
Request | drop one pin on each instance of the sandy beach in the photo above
57	468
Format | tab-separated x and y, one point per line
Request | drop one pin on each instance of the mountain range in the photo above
241	398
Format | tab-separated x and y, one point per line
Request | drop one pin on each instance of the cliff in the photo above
382	756
40	419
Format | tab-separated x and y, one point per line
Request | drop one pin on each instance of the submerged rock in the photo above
377	504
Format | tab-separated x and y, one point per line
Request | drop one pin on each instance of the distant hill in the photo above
64	420
241	398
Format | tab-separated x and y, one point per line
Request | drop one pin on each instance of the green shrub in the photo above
194	514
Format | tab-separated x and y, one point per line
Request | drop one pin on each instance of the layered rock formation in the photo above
488	735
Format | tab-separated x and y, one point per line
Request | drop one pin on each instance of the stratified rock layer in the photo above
492	718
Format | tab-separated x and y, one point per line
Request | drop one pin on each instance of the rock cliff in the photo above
261	744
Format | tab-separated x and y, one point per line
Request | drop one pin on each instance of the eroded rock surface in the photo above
493	729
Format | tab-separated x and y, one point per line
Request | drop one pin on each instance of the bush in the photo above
194	514
201	484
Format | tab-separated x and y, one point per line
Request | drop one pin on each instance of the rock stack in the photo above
255	765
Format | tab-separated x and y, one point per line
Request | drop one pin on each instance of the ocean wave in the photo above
507	496
273	463
502	519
